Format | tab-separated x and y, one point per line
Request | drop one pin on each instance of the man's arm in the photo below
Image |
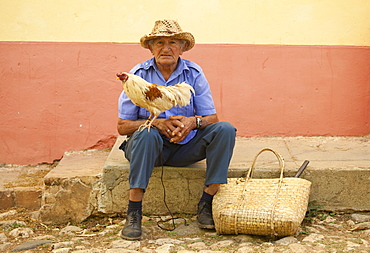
128	127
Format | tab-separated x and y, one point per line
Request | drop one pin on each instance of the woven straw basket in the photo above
271	207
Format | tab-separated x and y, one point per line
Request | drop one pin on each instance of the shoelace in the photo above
134	218
206	209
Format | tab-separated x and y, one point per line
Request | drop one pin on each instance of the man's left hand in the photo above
184	126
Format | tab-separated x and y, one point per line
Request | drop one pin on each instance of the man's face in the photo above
166	51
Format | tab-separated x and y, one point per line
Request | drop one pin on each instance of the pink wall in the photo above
63	96
272	90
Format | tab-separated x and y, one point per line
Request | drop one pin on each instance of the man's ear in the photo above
150	48
182	48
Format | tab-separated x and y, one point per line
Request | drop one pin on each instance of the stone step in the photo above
339	169
70	189
21	186
96	182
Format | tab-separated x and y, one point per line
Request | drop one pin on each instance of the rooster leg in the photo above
146	124
150	122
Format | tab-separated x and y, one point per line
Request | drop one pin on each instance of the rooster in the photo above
155	98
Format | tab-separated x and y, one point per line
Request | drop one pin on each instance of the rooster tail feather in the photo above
182	93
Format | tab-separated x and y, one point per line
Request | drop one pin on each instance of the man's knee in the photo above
141	141
226	128
145	137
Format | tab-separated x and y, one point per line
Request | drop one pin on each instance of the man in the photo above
180	136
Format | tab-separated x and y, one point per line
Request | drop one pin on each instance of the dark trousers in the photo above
215	143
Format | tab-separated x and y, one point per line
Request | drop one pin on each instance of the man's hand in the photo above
176	128
184	126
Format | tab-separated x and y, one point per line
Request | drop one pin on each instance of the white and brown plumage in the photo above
155	98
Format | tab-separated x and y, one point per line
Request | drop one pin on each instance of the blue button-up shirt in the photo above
201	104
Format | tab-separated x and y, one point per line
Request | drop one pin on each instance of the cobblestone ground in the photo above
320	232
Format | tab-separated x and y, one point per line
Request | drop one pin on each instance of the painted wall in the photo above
283	68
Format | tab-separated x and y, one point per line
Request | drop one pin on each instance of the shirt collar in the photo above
181	67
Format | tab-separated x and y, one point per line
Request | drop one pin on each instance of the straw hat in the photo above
168	28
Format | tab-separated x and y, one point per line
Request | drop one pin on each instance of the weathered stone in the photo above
198	246
121	250
297	248
44	237
7	214
68	192
312	230
221	244
4	246
131	245
11	223
21	232
163	241
329	219
360	217
109	229
3	238
89	251
352	244
320	227
31	245
165	248
350	223
191	228
361	226
245	249
28	198
245	238
367	232
286	240
62	245
7	199
185	251
313	238
62	250
70	230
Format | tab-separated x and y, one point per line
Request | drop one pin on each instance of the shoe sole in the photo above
130	238
206	226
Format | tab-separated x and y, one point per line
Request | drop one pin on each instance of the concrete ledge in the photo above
96	183
339	170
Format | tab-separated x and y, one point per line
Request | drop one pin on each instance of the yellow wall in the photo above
295	22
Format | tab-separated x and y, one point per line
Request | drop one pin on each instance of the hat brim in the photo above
181	35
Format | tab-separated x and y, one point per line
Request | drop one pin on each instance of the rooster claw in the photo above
142	127
147	124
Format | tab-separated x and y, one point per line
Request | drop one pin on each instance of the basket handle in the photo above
278	156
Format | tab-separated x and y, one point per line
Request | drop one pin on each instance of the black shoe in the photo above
204	218
132	228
